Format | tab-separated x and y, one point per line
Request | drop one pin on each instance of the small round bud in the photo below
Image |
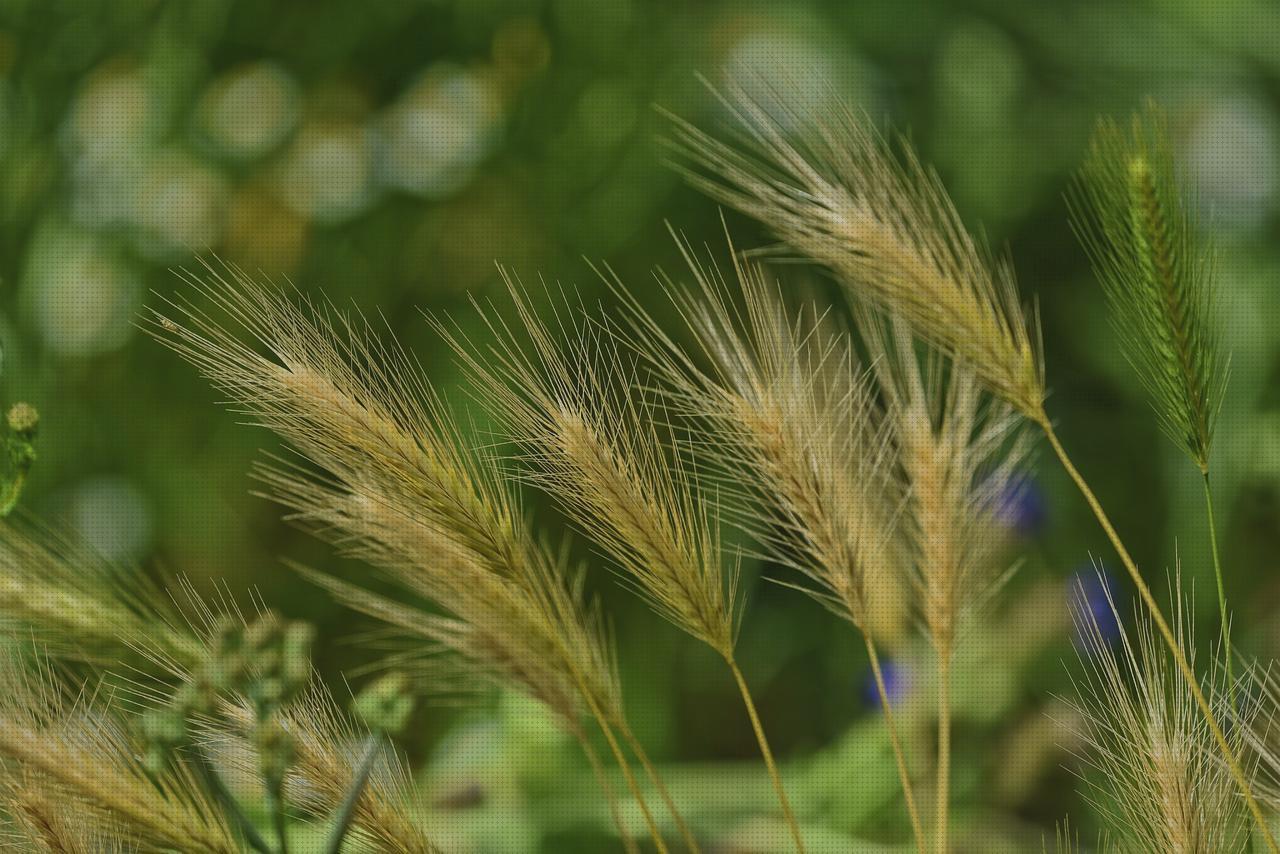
385	704
23	418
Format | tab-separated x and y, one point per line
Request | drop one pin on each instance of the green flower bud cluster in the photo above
19	453
267	661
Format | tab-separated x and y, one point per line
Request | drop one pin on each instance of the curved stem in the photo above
621	758
899	756
1179	657
790	817
628	842
229	804
943	793
275	800
663	792
1222	595
346	811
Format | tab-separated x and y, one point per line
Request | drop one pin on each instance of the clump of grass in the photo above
887	230
399	487
569	403
1163	786
790	424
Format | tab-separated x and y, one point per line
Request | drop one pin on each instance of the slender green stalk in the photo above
943	791
1228	755
229	804
627	774
275	801
602	780
1222	595
767	753
638	749
899	757
347	810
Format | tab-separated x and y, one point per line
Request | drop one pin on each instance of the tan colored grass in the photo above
80	746
399	485
592	442
1162	784
837	193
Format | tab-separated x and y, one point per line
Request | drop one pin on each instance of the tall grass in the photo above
864	449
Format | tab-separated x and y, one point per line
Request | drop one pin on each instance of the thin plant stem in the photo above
1222	594
347	810
621	758
275	800
943	792
628	841
899	756
638	749
1180	658
229	804
767	753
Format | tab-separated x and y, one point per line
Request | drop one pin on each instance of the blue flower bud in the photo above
897	682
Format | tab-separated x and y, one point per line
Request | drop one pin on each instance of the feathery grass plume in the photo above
79	604
882	224
78	743
326	745
1163	785
957	453
785	401
789	420
592	445
590	441
1136	224
401	488
1132	217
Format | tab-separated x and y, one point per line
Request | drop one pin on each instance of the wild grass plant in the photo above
861	446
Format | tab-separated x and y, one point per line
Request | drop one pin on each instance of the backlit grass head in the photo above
837	193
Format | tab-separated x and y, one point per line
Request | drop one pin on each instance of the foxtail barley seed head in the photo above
1135	222
587	440
326	753
1163	786
80	605
882	224
791	428
46	819
957	451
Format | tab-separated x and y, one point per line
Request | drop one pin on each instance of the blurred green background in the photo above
385	153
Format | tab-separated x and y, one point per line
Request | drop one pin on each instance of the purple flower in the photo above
897	681
1020	506
1095	603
